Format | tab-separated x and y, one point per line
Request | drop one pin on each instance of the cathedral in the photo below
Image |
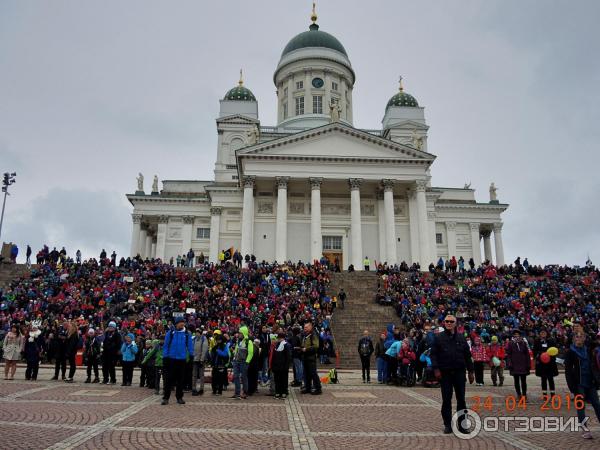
313	184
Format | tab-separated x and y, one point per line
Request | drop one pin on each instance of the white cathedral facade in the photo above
314	184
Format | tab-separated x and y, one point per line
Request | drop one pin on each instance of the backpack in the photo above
333	376
364	347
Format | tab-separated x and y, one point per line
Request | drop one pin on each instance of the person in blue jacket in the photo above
177	349
391	355
128	351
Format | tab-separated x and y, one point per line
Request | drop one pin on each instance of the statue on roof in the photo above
253	135
155	185
417	141
140	182
334	111
493	195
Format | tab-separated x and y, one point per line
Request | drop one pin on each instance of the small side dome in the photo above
240	92
402	99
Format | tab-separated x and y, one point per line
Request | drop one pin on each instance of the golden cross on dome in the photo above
313	16
400	81
241	82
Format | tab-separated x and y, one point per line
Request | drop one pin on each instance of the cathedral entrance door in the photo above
332	249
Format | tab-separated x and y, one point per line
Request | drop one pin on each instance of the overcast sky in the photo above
91	93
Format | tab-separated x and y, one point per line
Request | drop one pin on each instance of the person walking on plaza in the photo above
518	362
310	348
92	351
365	350
200	356
497	356
34	345
450	358
480	358
545	370
582	371
129	351
12	347
71	347
242	355
111	346
296	343
279	363
219	361
59	346
178	347
380	360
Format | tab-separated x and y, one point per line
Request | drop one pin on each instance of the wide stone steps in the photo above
360	313
9	272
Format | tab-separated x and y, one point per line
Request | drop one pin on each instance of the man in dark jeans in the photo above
450	358
110	353
60	355
310	348
342	298
176	350
365	350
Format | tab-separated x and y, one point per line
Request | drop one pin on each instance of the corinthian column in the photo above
475	243
135	235
316	239
215	228
498	244
161	237
248	217
355	219
390	221
281	224
424	246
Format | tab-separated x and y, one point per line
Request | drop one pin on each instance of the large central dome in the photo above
314	38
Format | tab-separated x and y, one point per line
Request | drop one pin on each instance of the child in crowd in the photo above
128	351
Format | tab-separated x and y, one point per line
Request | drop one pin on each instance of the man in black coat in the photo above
450	358
111	347
365	350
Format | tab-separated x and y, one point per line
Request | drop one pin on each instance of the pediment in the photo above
334	141
410	125
237	119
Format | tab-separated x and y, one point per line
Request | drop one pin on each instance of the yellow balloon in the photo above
553	351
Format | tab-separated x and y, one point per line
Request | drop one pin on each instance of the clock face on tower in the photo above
317	83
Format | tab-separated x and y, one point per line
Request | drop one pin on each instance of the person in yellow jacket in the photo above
367	263
242	355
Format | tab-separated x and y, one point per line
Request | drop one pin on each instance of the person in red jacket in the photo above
480	357
496	350
406	357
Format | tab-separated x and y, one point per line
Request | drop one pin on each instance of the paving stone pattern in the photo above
351	415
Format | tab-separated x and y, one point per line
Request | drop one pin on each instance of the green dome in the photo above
240	93
402	99
314	38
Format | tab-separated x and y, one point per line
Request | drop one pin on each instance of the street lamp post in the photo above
7	180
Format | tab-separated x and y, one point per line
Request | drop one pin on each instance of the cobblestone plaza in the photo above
350	415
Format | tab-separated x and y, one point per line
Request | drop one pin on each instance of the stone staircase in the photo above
9	272
361	312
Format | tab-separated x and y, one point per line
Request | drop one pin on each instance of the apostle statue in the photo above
155	185
334	112
417	141
252	134
140	182
493	195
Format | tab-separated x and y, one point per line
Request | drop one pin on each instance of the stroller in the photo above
407	374
429	379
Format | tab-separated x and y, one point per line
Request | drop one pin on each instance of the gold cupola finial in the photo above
241	82
400	82
313	15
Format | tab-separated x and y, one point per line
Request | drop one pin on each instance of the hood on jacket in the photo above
244	331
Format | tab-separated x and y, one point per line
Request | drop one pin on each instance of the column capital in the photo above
163	219
498	227
282	182
216	211
388	185
188	219
249	181
486	233
451	225
420	185
315	183
354	183
136	218
474	226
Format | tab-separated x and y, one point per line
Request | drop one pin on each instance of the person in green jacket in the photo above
242	355
157	355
